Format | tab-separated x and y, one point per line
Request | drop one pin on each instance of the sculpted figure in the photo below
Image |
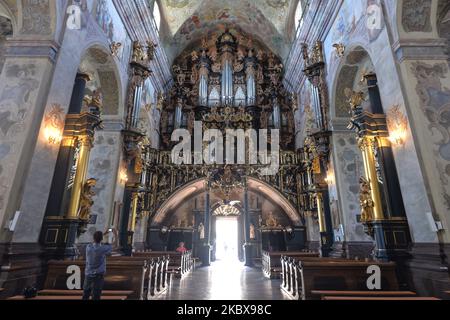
86	201
365	199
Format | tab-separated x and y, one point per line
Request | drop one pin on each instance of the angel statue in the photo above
86	201
201	231
366	201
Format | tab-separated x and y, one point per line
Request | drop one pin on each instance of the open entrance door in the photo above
227	239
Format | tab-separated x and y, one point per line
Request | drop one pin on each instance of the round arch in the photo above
96	57
6	12
197	187
344	77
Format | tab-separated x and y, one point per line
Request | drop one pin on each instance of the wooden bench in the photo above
303	275
180	264
290	272
120	275
392	294
271	261
80	293
156	280
64	297
381	299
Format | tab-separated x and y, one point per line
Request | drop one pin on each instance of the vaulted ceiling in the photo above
187	21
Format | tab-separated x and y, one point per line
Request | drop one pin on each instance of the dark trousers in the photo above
93	285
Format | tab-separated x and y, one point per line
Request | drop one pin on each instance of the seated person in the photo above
181	248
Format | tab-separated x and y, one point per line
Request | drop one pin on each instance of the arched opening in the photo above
364	158
444	23
182	218
86	169
6	30
299	15
102	71
157	15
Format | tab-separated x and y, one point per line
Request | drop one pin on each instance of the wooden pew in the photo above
385	294
158	277
180	264
271	261
290	273
381	299
156	280
340	275
63	297
80	293
120	275
303	275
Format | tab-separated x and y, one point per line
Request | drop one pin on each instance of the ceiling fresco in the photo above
190	20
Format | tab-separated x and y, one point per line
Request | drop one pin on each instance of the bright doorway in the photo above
227	239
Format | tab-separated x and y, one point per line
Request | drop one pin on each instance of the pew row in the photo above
156	281
368	294
180	263
271	261
108	293
381	299
120	275
302	276
64	297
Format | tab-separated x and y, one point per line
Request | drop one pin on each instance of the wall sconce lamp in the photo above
53	135
54	125
398	126
123	176
329	178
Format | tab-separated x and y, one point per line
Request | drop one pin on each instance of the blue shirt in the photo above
96	258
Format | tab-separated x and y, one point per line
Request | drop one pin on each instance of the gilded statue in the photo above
191	121
271	222
340	49
139	54
151	50
252	232
355	99
86	201
160	101
366	201
194	56
115	48
205	43
97	100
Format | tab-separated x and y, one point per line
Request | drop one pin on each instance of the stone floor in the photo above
225	281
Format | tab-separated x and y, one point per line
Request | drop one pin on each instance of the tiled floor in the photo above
225	281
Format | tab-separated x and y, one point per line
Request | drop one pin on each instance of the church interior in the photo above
298	149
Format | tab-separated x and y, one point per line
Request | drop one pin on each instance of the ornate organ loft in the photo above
225	83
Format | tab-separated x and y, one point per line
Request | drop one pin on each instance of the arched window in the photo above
157	14
299	15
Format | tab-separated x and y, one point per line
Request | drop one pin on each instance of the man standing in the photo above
95	267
